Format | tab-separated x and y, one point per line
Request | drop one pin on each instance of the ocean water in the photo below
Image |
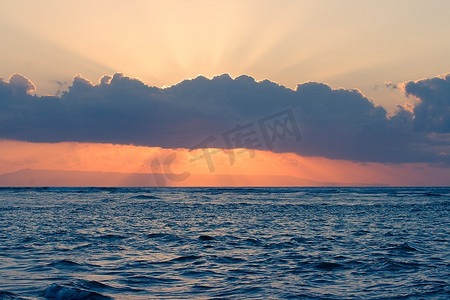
225	243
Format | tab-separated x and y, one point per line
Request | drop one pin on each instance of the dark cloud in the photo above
339	124
60	83
390	85
20	84
432	113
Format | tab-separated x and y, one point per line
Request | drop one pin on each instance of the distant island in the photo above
58	178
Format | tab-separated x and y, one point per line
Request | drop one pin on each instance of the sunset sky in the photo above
328	92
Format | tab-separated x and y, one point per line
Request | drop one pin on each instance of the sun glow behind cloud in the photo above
346	44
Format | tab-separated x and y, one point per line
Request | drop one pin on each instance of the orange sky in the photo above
132	159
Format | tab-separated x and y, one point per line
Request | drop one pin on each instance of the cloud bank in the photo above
337	124
432	114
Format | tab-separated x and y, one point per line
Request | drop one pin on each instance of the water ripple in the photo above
224	243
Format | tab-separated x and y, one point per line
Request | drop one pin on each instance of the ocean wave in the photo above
10	296
70	292
144	196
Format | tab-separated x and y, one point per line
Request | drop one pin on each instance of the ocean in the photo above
224	243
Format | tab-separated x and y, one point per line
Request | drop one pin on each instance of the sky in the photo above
348	92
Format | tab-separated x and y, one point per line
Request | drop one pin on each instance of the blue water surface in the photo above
224	243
